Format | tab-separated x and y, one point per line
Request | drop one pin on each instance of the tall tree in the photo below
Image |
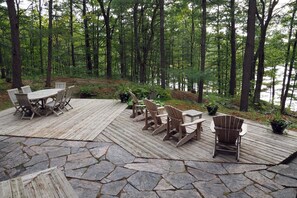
283	102
202	50
108	31
232	84
248	56
87	39
49	44
40	37
162	45
264	22
15	41
71	32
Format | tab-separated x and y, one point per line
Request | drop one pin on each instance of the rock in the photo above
201	175
73	144
98	171
59	161
59	152
52	143
255	192
85	189
211	190
285	181
179	194
76	164
146	167
79	156
264	181
238	194
285	193
241	168
119	156
179	180
77	173
164	185
235	182
120	173
36	159
144	180
113	188
214	168
34	141
99	151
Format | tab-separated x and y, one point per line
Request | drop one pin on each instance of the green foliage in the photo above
87	91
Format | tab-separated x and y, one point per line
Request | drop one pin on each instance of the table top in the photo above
192	113
44	93
242	133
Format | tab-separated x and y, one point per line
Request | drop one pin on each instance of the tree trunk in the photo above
218	38
122	49
284	98
50	44
40	38
203	50
3	75
264	22
162	45
248	56
136	41
108	36
71	32
87	40
15	41
232	85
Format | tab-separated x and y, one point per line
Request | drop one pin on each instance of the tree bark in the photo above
261	56
108	32
71	32
40	38
203	50
87	40
232	85
122	49
248	56
50	44
162	45
15	41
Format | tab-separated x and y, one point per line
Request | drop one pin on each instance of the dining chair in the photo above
28	109
26	89
55	105
13	99
67	98
60	85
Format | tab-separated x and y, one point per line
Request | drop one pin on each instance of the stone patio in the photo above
101	169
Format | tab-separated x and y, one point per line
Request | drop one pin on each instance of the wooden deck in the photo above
84	122
47	183
259	145
107	120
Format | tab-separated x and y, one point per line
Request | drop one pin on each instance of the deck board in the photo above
85	121
259	145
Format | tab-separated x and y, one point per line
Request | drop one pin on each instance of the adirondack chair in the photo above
137	108
13	99
178	129
67	98
55	105
28	109
26	89
154	120
60	85
228	132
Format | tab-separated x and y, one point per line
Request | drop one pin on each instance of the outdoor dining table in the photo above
42	95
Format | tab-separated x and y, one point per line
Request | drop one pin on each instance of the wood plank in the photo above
5	189
17	188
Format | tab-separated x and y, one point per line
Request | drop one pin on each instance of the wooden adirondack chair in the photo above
137	108
28	109
228	132
176	126
154	120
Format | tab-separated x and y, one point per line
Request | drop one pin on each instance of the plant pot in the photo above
278	126
212	110
124	97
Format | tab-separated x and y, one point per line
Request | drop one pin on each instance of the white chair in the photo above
26	89
60	85
13	99
55	105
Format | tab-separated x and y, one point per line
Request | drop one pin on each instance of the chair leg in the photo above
160	129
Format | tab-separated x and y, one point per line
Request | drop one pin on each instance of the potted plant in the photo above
211	106
123	93
278	124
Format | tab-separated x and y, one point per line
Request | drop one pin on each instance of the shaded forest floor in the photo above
107	89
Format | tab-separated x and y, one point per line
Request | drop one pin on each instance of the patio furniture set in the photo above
29	103
228	130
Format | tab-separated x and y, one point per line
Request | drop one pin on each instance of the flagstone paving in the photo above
100	169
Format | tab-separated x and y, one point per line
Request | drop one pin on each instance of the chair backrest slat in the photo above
11	94
60	85
153	109
176	116
227	128
26	89
23	100
134	98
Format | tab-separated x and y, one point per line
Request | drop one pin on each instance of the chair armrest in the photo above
160	108
162	115
244	129
212	127
194	122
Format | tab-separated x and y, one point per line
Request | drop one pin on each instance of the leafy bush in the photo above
87	91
